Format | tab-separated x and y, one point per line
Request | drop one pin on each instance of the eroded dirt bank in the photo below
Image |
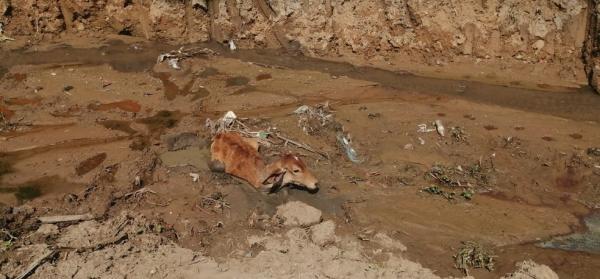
523	42
105	130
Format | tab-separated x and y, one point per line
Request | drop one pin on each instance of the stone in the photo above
295	213
323	234
529	269
539	44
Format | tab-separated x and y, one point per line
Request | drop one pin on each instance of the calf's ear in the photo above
275	178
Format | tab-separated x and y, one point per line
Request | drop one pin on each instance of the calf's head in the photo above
291	170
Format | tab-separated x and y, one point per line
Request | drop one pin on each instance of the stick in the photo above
35	264
65	218
140	191
301	145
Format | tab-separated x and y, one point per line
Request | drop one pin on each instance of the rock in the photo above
409	146
297	213
388	243
529	269
182	141
323	234
539	44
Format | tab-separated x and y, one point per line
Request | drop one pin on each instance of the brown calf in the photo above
233	154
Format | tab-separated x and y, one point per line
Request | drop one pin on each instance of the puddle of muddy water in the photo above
588	241
237	81
118	125
119	55
162	120
22	101
125	105
192	156
90	163
578	104
36	188
171	89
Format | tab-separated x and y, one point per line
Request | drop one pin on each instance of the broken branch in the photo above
65	218
35	264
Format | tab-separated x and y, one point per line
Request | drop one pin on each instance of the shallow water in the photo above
588	241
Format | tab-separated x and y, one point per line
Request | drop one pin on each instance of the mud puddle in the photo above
588	241
37	188
574	104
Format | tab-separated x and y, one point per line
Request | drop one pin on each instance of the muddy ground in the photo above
83	119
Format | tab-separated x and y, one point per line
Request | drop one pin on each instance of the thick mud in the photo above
89	126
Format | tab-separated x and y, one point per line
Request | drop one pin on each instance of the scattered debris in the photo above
174	63
458	134
174	57
313	119
473	255
345	143
65	218
436	190
422	128
230	122
374	115
439	127
215	200
232	46
475	175
593	151
195	177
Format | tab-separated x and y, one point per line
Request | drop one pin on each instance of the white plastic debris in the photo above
222	124
345	142
195	176
229	118
174	63
232	46
302	109
440	127
421	141
422	128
